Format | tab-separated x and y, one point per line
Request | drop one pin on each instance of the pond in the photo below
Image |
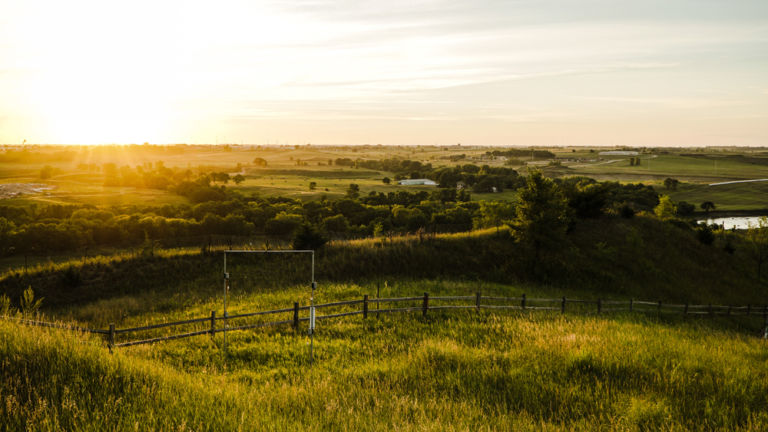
737	222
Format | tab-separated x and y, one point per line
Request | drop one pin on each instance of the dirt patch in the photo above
12	190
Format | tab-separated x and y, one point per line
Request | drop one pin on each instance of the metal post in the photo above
523	302
226	314
765	322
478	298
659	308
365	306
562	306
425	306
631	304
686	309
599	305
226	291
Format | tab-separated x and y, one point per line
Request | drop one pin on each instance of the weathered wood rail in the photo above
422	304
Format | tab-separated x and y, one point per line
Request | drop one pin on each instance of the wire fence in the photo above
294	316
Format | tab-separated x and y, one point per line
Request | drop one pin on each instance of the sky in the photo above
415	72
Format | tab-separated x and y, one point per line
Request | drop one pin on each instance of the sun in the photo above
101	108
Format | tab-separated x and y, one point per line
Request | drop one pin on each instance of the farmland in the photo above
134	237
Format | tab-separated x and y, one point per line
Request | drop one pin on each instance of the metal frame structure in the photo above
311	295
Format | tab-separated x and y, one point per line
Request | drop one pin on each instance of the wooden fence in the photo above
292	316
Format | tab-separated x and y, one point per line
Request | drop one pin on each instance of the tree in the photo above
336	224
494	214
670	183
541	217
666	208
757	239
260	162
353	191
312	185
239	178
386	180
707	206
46	172
685	208
307	237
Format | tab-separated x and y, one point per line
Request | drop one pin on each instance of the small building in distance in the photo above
619	153
417	182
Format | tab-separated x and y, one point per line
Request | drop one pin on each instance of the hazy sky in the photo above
515	72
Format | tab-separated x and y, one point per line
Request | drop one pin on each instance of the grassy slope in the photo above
444	372
610	258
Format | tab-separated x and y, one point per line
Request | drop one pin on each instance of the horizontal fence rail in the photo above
421	304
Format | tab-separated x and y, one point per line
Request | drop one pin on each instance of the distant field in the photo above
290	170
705	169
737	196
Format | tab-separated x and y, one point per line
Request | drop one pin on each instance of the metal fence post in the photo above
477	300
425	306
365	306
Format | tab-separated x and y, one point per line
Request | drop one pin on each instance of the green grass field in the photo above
290	170
448	371
737	196
451	370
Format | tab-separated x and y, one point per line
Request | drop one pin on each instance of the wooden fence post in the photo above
477	301
523	302
425	307
685	311
111	336
562	306
365	306
599	305
659	308
749	309
213	324
295	315
729	310
711	311
631	304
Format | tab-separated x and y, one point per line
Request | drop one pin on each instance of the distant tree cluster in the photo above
537	154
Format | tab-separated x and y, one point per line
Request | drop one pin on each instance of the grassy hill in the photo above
609	257
465	371
449	370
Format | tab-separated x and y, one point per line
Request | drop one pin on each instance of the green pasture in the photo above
684	168
737	196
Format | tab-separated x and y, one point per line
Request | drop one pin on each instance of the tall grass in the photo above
466	371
